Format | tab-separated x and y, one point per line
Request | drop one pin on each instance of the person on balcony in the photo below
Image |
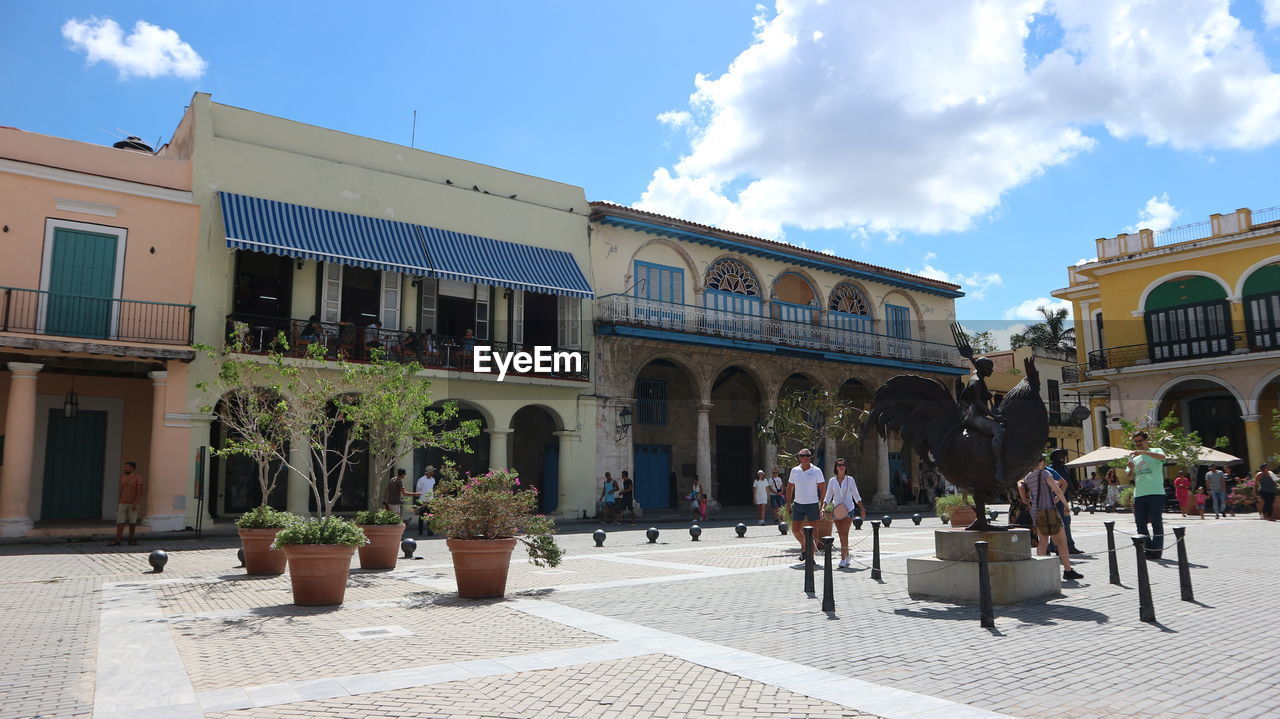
312	331
468	347
410	345
372	337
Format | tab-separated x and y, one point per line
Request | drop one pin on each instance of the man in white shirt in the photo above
425	487
804	492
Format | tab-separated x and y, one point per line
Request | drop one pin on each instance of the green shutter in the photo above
82	276
74	457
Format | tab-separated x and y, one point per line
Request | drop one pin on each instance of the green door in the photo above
74	461
82	277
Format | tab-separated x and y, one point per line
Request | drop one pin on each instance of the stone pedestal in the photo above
952	574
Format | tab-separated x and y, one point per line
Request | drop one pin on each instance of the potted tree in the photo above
319	553
482	518
957	507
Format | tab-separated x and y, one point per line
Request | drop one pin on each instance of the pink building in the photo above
95	331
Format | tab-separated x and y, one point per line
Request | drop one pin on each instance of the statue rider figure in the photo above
979	414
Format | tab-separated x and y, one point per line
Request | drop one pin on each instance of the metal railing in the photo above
1131	355
691	319
1265	215
1183	233
58	314
259	335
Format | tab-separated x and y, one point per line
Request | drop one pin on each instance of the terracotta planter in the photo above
259	557
383	546
318	573
963	516
480	566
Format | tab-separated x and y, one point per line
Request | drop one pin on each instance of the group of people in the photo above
617	500
820	501
358	342
421	496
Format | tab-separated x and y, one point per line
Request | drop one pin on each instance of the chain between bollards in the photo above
808	559
1113	565
828	584
988	619
1146	610
875	549
1184	569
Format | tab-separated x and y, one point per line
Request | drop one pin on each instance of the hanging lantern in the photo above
71	405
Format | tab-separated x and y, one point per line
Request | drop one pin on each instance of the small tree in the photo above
982	342
807	417
1181	446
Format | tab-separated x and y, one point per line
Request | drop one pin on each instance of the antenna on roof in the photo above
413	134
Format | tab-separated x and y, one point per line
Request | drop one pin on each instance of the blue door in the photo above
549	496
82	275
653	467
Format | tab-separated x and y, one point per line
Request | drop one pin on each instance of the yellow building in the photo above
1183	321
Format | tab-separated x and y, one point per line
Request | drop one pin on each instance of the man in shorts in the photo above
1039	490
127	504
805	487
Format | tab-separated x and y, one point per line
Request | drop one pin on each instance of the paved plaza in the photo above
714	628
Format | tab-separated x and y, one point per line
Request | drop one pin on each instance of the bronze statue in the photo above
979	449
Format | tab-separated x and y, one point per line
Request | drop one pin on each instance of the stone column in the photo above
574	496
1253	440
704	448
613	453
829	454
499	448
770	449
297	489
19	450
884	498
165	488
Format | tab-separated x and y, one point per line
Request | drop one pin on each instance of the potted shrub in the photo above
482	518
383	528
958	507
319	552
258	528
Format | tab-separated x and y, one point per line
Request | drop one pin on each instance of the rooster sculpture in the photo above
978	447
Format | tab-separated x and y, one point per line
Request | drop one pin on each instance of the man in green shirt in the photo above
1146	471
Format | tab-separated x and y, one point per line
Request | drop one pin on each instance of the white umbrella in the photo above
1101	455
1209	455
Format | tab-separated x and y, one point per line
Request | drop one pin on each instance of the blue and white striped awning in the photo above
282	228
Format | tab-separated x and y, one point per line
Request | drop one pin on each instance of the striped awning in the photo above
283	228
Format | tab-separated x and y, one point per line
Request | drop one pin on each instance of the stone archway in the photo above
535	453
736	410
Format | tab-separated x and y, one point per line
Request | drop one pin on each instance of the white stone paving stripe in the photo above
855	694
140	672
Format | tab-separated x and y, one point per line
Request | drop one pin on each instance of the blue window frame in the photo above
651	401
898	321
659	282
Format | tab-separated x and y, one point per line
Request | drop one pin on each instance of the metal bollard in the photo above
808	559
1184	570
1146	610
984	587
741	529
875	549
828	584
1113	565
652	534
599	536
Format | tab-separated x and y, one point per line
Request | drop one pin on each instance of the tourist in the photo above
760	493
426	489
695	494
127	503
608	498
1217	482
805	486
1182	491
1266	481
1060	472
394	501
626	499
1113	490
1039	490
1145	470
779	494
1200	497
842	494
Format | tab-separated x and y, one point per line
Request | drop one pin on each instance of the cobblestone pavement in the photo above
714	628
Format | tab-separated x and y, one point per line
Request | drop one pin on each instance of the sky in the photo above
982	142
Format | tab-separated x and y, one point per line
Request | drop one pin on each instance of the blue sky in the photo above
987	142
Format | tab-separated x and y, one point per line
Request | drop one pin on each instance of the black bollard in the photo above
408	546
1093	508
886	520
157	560
875	549
828	584
857	523
652	534
240	556
808	559
1146	610
782	527
1113	565
915	519
1184	569
741	529
988	619
599	536
1075	511
694	532
993	514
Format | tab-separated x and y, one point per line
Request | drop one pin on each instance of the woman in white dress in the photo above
843	499
760	493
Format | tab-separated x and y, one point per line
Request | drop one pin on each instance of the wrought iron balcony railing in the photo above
345	340
691	319
102	318
1154	353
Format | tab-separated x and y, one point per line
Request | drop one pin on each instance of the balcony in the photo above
624	310
1155	353
53	314
343	340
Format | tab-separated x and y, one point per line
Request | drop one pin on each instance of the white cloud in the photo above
1028	309
148	51
974	284
1086	261
873	126
1271	13
675	118
1158	214
930	256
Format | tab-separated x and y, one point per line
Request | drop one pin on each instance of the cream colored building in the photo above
301	222
1064	430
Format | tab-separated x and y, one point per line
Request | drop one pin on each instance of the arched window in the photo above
1188	317
732	287
1262	307
849	308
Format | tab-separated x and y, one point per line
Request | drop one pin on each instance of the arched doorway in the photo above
800	382
664	434
735	414
354	477
535	453
1210	409
233	480
474	462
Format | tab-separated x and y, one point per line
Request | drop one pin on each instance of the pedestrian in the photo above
843	498
805	487
608	497
625	499
779	493
695	494
1266	480
1145	470
426	489
1113	490
1217	481
1200	498
394	501
1060	456
760	493
131	485
1039	490
1182	491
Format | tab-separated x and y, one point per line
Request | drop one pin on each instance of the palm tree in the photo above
1050	333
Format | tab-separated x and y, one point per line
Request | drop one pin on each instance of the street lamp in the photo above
623	425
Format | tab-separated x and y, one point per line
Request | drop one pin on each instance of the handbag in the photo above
842	511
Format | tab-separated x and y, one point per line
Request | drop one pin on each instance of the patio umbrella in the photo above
1209	455
1101	455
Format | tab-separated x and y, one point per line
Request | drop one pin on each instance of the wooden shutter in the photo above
331	299
428	311
517	317
391	300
